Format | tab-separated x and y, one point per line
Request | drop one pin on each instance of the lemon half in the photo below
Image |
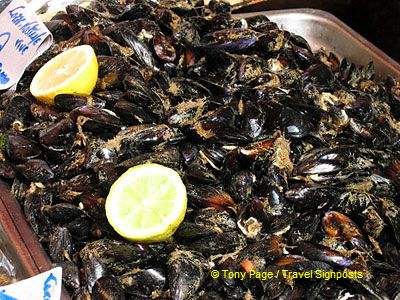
147	203
73	71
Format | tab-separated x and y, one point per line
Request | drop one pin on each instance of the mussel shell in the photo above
144	281
108	288
58	136
324	254
62	213
70	274
60	245
67	102
96	119
36	170
241	185
186	271
21	148
131	113
44	112
164	48
18	109
219	243
7	170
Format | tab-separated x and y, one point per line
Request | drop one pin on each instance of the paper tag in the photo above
45	286
23	37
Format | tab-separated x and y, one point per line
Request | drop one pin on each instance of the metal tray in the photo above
321	29
20	243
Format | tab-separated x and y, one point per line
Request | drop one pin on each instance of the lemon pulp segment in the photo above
147	203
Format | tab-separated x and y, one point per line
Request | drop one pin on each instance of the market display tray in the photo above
321	29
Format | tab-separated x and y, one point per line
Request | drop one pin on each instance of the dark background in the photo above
378	21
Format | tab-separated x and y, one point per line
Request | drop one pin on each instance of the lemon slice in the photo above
73	71
147	203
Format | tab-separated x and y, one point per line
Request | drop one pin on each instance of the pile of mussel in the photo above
290	157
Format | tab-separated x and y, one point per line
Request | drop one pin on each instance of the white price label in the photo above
23	37
45	286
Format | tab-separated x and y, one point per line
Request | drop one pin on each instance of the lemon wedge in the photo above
73	71
147	203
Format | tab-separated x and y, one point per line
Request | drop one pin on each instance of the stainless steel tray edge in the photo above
27	252
323	30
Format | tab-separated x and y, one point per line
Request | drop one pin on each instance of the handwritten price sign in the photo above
23	37
45	286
